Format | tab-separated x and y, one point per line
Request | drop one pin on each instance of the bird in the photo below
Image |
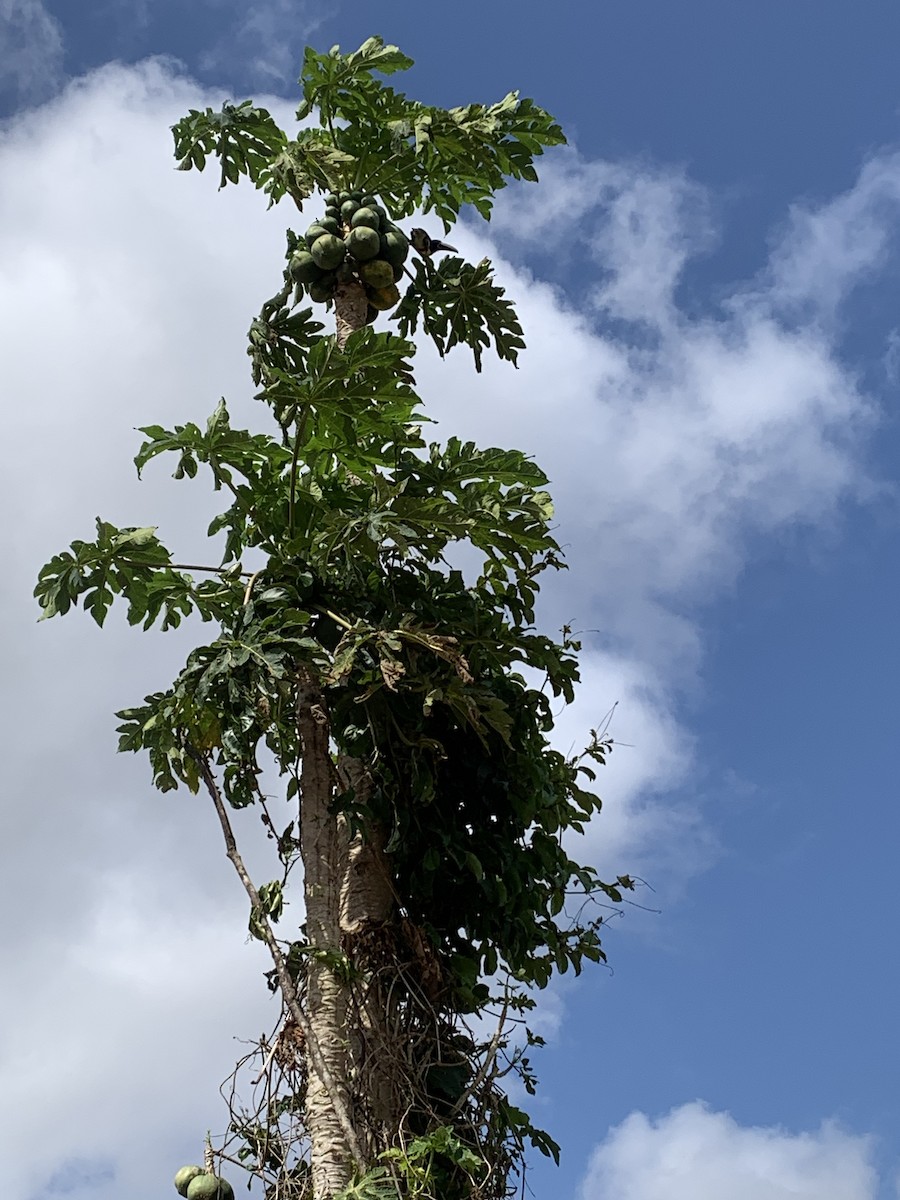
425	245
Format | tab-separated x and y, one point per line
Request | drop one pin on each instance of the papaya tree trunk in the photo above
321	837
348	893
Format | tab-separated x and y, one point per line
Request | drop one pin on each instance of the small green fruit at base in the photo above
384	298
209	1187
184	1177
323	289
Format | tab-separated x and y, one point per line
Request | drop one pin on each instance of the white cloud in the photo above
270	36
695	1154
124	298
826	249
31	51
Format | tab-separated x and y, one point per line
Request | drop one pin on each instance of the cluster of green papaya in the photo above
355	239
195	1183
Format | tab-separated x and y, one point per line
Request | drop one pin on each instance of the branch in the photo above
288	990
490	1056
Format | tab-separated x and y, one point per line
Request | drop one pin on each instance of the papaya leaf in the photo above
458	303
244	138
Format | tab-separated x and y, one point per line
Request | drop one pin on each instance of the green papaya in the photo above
348	208
365	216
323	289
209	1187
184	1177
377	273
328	251
332	224
333	211
315	231
395	247
371	313
332	200
363	243
302	267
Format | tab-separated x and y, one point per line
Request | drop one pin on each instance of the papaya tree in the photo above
421	810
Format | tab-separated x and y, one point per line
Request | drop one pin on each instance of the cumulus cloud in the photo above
31	51
125	292
695	1154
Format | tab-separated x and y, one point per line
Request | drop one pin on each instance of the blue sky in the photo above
714	263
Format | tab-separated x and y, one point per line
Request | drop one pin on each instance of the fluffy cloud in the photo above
694	1154
125	291
270	35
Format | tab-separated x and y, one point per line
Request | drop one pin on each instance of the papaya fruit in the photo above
365	216
395	247
363	243
377	273
323	289
302	267
184	1176
328	251
315	231
209	1187
383	298
348	208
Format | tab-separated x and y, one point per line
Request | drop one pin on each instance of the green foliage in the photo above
438	1165
412	155
244	139
373	138
459	304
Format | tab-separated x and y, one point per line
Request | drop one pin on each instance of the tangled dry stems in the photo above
417	1068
